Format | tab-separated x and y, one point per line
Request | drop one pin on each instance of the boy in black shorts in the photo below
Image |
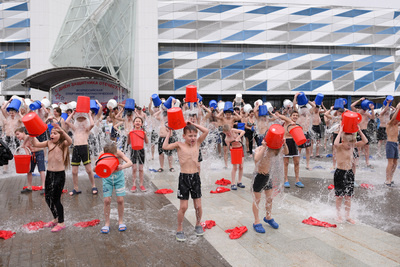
189	179
262	182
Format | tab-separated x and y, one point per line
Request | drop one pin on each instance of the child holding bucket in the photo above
344	175
234	137
115	180
37	159
189	178
58	161
264	160
138	156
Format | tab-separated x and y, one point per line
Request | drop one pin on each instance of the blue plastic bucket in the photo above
228	106
168	102
365	104
64	116
156	100
213	104
338	104
241	125
94	107
302	99
199	97
130	104
389	97
35	105
318	99
262	110
14	104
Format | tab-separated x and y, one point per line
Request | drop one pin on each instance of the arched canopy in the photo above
49	78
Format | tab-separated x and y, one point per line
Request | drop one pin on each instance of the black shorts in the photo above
189	183
154	137
137	156
365	132
114	133
292	147
80	153
223	139
308	141
344	182
249	134
334	135
317	131
262	182
200	157
160	144
381	135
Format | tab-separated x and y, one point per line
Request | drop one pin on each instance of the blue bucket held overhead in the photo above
199	97
35	105
64	116
338	104
156	100
344	101
94	107
318	99
241	125
14	104
213	104
168	102
365	104
228	106
130	104
302	99
388	98
262	110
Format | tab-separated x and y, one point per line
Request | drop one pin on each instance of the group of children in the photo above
216	127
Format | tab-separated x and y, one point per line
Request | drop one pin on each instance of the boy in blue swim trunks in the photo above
115	180
189	179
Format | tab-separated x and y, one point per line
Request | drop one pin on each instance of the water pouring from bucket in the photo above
176	120
350	121
274	137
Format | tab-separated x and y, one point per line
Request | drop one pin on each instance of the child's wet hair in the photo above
349	137
21	130
110	148
226	128
190	128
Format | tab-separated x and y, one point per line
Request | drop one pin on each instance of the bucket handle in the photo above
166	125
104	158
287	127
137	135
29	151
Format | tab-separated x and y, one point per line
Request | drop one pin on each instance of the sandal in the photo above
74	192
57	228
171	169
105	229
259	228
50	224
122	227
160	170
93	191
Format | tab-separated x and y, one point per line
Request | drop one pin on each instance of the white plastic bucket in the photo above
287	103
112	103
53	106
259	101
72	105
63	108
177	103
247	108
221	105
269	107
46	103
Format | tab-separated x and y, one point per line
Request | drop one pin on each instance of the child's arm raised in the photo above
353	105
240	132
204	132
68	121
91	121
259	153
68	139
36	143
167	145
3	108
364	139
128	162
337	140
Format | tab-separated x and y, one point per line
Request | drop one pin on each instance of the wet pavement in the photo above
151	222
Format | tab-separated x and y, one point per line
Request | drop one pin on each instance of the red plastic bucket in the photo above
237	155
83	104
176	120
33	124
106	165
274	136
137	139
191	93
298	135
350	121
23	162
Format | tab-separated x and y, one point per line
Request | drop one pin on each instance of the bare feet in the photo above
349	220
339	219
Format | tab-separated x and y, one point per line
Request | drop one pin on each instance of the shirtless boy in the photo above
384	119
189	179
392	150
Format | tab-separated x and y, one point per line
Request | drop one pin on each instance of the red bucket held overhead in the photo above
137	139
176	120
191	93
350	121
297	133
83	104
274	136
33	124
237	155
23	162
106	165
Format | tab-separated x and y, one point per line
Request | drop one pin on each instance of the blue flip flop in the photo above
122	227
74	192
105	229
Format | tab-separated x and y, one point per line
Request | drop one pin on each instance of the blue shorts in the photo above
117	181
392	150
38	159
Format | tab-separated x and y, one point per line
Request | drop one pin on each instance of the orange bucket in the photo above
237	155
350	121
83	104
137	139
106	165
33	124
23	162
274	136
176	120
191	93
297	134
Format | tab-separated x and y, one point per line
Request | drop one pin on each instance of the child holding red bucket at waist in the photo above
115	180
138	157
265	159
189	178
37	159
58	161
234	137
344	175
